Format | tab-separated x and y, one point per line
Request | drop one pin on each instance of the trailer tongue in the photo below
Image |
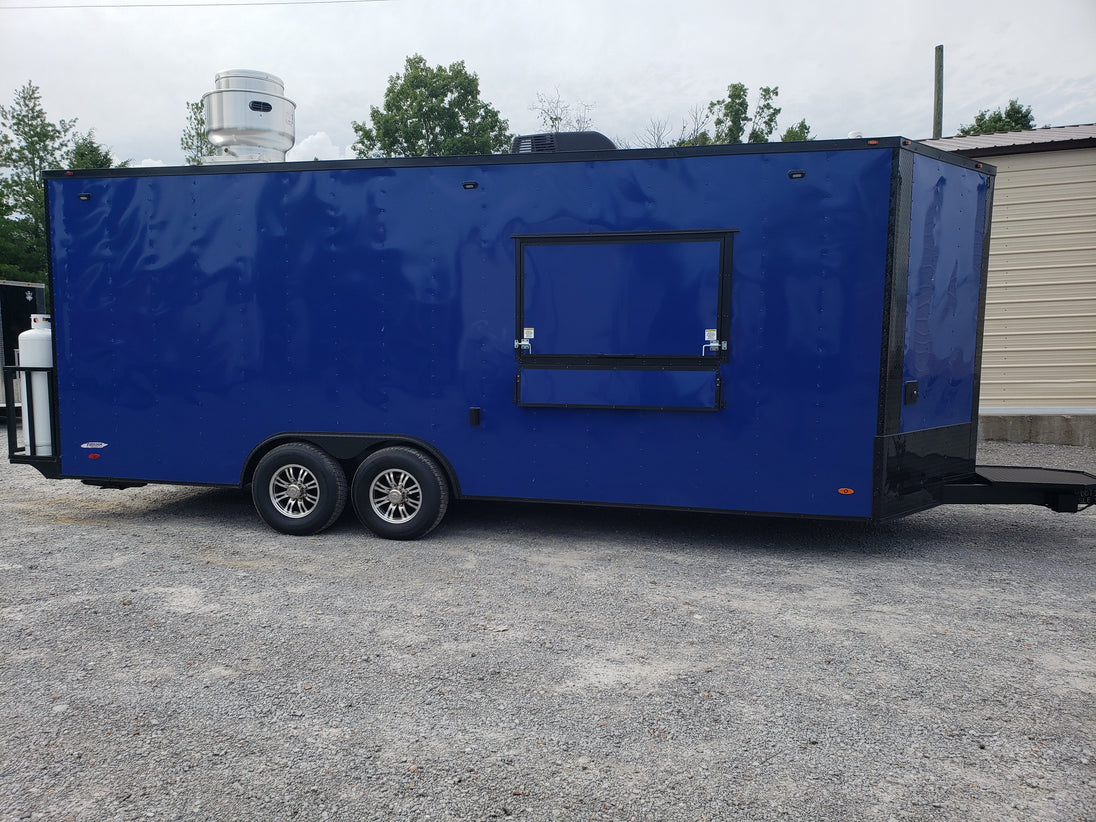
1063	491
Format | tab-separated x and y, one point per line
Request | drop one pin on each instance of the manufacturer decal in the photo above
845	491
94	445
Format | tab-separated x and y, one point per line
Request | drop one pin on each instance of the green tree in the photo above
765	114
732	121
29	145
194	143
87	153
731	114
21	258
1014	117
430	112
797	133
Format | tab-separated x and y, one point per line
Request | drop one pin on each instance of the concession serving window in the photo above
622	320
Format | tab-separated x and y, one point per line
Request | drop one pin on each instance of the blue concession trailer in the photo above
785	329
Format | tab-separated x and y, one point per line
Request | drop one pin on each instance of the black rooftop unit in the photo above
558	141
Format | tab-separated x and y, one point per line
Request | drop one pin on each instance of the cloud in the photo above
835	66
318	146
149	163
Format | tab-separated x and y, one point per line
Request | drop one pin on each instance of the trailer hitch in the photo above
1066	492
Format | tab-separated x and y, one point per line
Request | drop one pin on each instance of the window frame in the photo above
703	359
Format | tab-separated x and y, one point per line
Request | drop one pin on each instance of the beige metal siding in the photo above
1040	334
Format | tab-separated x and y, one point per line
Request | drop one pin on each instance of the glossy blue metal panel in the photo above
621	388
947	237
198	314
654	299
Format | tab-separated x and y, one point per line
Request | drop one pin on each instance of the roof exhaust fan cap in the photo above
248	80
248	117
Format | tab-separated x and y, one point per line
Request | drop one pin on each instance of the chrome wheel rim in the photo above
294	491
395	496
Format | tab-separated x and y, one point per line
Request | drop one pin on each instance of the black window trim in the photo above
725	238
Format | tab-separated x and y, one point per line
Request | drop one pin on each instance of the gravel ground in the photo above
164	655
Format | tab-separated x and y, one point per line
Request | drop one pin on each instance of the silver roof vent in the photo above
248	118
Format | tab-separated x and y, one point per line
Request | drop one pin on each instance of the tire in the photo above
299	489
400	493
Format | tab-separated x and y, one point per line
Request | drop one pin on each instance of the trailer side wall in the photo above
199	314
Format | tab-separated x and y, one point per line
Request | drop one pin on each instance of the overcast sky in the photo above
844	66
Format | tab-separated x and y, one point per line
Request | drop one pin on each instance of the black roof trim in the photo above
615	155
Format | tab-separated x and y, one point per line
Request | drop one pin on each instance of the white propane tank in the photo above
36	351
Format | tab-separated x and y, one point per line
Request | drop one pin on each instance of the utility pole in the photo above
938	96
